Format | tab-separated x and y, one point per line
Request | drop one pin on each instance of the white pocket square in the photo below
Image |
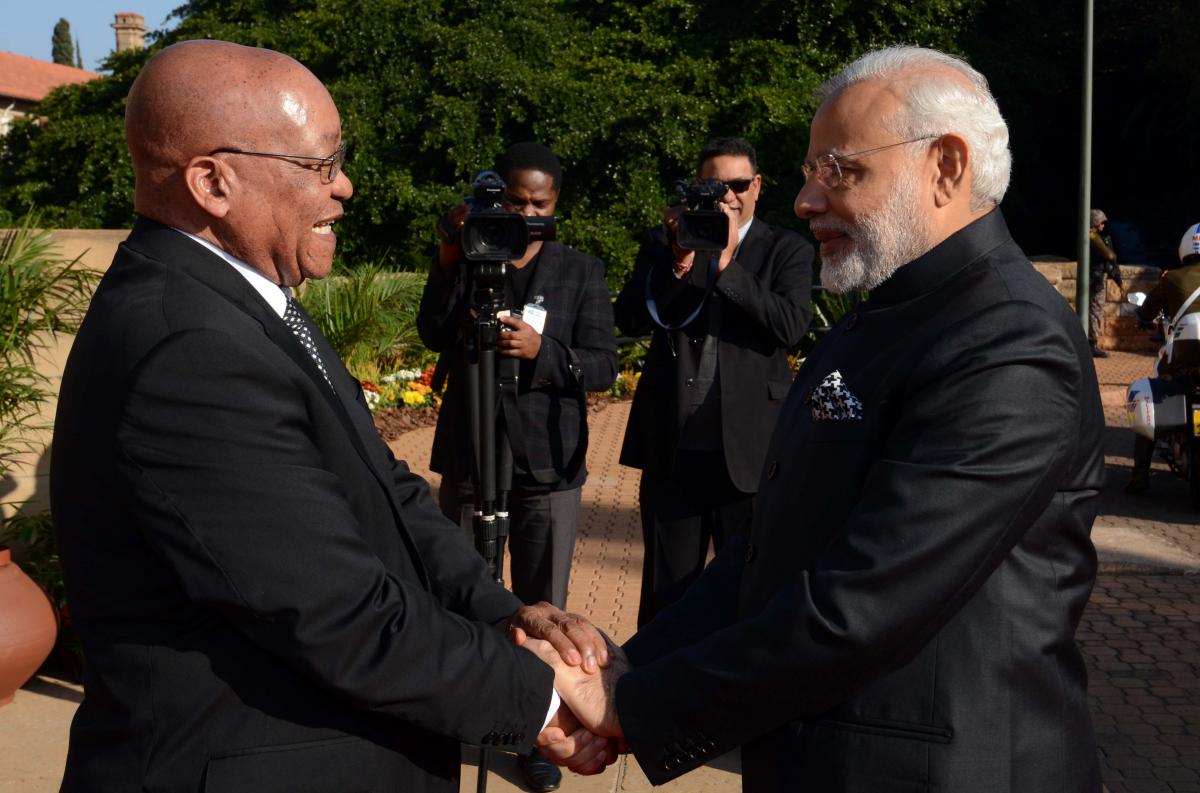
833	401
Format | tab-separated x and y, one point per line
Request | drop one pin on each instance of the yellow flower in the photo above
413	398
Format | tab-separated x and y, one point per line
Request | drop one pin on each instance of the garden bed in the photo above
394	422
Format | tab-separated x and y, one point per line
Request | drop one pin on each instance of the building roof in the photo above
30	79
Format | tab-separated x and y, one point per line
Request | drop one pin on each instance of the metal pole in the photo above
1083	248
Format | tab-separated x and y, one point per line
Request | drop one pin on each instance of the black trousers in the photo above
680	514
541	536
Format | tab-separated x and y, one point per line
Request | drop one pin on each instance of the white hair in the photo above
937	104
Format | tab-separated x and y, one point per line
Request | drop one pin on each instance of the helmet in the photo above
1189	245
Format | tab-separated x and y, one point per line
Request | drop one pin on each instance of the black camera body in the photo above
702	226
491	233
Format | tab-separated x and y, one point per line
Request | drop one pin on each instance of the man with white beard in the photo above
902	617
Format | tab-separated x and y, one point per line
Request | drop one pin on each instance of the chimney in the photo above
131	31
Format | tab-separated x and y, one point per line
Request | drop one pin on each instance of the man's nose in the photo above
810	200
343	188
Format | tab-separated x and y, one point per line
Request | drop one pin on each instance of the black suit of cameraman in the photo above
710	391
574	353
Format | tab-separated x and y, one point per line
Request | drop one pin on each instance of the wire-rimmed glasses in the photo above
826	168
329	166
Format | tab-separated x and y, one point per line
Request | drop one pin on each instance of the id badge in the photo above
534	315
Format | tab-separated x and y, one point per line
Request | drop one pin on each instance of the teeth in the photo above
324	228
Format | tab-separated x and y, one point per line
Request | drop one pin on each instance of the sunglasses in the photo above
739	186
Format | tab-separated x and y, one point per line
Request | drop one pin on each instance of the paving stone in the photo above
1142	618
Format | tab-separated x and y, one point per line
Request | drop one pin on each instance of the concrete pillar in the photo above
131	31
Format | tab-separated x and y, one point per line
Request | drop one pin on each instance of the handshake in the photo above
584	735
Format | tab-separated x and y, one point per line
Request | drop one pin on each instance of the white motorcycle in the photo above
1167	410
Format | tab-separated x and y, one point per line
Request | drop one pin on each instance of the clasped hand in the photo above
585	734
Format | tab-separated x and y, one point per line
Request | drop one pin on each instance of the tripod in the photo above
492	472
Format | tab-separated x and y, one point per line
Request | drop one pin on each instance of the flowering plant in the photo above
405	388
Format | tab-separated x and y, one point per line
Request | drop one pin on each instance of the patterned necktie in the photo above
295	321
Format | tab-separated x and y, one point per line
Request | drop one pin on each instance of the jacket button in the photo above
689	382
773	469
749	552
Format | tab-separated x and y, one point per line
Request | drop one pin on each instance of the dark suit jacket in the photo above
266	599
903	615
766	296
579	353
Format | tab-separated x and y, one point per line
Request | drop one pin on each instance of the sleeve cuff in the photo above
555	704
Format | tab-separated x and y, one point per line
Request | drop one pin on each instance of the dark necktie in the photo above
296	322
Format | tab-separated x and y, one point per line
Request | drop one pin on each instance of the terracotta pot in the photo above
27	627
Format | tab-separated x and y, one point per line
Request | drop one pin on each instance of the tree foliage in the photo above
62	50
430	91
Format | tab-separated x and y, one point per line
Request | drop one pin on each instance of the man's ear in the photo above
953	157
209	183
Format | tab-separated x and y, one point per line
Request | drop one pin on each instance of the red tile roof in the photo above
31	79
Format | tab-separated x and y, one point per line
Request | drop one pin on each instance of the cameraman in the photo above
710	391
575	352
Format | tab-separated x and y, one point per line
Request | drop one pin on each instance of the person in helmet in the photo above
1104	266
1177	286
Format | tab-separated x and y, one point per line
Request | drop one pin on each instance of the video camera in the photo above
491	233
702	226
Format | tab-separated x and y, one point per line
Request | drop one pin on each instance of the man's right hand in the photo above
591	697
683	258
449	232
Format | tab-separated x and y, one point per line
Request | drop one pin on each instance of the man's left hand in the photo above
518	339
732	242
577	641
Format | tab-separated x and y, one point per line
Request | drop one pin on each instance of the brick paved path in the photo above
1140	633
1141	637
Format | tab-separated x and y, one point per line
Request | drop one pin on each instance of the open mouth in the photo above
324	227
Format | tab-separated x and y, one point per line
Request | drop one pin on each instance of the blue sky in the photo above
28	24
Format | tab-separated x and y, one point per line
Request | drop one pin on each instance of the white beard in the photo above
880	242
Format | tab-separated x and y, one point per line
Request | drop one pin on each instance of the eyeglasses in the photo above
739	186
329	166
827	169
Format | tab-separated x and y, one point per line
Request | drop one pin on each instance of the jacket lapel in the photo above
166	244
549	260
753	252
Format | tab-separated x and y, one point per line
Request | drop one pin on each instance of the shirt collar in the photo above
926	272
275	295
745	229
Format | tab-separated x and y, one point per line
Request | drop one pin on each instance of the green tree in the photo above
61	49
78	54
430	91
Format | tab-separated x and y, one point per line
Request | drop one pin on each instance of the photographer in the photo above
574	352
710	390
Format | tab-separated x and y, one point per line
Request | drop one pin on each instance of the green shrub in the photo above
369	317
41	295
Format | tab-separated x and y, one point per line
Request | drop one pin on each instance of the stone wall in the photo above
26	484
1119	327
